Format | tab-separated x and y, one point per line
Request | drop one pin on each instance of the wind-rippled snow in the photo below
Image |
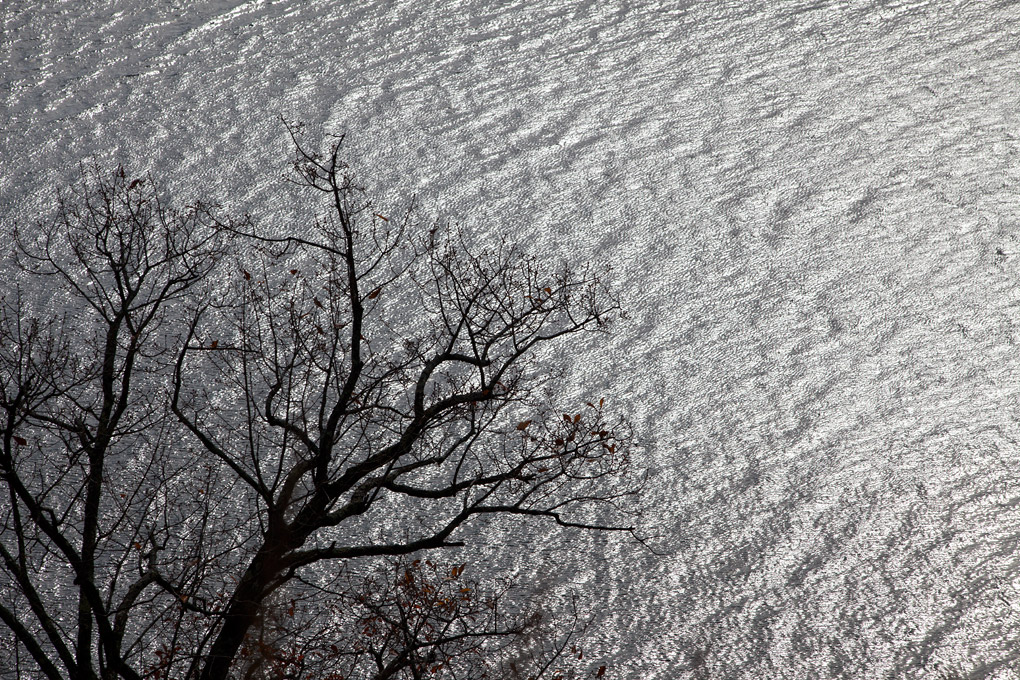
811	209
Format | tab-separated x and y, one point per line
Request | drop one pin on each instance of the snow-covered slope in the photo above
812	211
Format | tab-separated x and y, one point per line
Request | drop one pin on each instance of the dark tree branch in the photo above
221	409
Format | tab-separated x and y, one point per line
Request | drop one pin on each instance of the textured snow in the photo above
811	209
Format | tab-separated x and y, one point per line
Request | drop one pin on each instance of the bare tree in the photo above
415	619
86	435
222	422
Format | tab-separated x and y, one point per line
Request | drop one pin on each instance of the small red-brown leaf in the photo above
247	276
577	418
548	290
214	344
21	440
381	217
602	671
566	417
316	302
374	294
293	272
523	424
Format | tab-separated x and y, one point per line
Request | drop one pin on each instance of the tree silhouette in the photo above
225	447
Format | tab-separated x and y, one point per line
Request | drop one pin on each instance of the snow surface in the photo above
811	209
